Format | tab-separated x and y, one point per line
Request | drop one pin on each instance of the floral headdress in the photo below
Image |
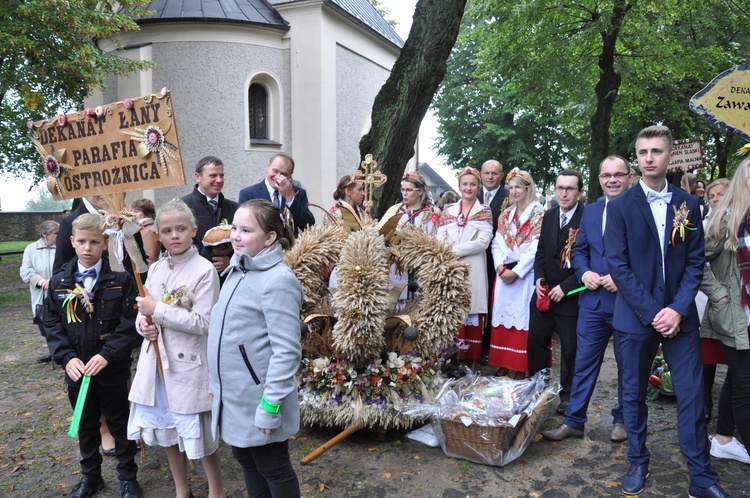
469	171
519	174
413	177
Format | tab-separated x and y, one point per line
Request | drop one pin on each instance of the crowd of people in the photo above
220	340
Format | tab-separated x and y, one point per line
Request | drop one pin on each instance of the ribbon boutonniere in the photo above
681	222
565	256
180	296
69	304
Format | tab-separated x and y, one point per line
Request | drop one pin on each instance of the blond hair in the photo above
175	206
737	200
90	222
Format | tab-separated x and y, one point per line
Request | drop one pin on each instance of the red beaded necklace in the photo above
462	220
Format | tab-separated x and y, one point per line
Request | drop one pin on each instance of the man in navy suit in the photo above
596	307
553	272
492	194
277	187
654	246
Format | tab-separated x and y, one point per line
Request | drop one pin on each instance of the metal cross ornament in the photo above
370	179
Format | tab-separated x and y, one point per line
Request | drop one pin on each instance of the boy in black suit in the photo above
90	332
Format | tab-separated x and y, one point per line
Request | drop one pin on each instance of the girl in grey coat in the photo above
254	352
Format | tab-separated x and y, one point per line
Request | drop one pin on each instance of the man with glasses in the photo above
554	278
596	307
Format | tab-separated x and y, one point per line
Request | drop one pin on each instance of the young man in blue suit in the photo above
654	246
277	187
597	305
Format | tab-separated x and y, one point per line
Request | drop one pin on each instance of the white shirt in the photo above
659	212
568	215
271	190
90	282
209	199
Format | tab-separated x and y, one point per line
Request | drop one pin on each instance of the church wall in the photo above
210	106
358	81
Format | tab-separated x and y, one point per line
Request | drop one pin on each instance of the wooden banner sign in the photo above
689	154
726	101
128	145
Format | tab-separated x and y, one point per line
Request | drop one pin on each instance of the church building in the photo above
250	78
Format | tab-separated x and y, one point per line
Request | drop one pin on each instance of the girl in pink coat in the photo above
171	406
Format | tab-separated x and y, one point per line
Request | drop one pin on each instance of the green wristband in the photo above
269	407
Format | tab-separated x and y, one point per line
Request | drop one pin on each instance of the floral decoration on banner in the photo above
681	223
152	141
53	166
395	380
181	297
77	295
568	249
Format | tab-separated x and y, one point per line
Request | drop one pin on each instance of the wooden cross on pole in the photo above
370	179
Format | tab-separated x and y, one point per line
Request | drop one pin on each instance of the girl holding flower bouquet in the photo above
254	351
171	404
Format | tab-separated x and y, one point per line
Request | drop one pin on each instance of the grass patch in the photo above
11	298
14	245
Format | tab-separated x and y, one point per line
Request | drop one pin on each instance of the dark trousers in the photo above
594	331
725	418
112	402
683	355
738	391
268	470
541	327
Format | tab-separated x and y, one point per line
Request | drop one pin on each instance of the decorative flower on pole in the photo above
152	141
54	167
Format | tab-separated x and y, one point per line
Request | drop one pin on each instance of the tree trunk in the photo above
606	93
404	98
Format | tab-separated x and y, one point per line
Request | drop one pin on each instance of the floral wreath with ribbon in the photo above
469	171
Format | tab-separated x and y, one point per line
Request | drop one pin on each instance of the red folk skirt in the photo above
508	349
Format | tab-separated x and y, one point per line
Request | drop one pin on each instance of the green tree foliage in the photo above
596	70
405	97
50	60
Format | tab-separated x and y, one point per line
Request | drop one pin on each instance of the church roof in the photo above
363	12
243	11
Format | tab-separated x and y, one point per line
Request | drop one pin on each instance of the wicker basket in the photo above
478	443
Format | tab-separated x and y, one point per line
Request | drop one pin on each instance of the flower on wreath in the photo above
469	171
127	104
413	177
54	166
519	174
568	249
89	112
30	124
62	120
680	223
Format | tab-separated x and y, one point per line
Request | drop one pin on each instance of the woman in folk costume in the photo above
416	207
513	250
468	230
351	192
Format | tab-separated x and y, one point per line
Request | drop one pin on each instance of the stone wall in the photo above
24	225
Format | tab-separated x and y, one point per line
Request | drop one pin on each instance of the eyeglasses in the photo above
407	190
567	190
607	176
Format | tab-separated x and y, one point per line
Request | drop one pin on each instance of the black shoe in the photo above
109	453
44	359
562	407
88	486
562	432
130	489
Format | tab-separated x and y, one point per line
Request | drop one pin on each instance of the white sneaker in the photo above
733	450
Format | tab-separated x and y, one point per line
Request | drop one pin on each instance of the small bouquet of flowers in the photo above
180	296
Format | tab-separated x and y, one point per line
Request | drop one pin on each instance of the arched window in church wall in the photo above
263	112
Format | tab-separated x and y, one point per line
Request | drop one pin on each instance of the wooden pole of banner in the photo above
332	442
142	293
